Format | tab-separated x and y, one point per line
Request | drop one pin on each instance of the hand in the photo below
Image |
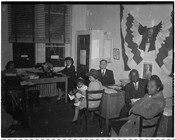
81	98
80	91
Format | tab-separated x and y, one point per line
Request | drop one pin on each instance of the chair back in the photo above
89	98
156	124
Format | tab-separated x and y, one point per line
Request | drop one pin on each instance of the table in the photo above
49	84
111	105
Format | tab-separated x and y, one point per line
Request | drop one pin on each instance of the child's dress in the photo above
78	95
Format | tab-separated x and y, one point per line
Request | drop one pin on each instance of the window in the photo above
21	23
55	22
55	54
24	55
39	23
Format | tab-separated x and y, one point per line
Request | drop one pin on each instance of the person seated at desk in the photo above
69	70
94	85
107	76
133	91
148	107
10	69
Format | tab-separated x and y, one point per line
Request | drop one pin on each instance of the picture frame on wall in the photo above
116	54
147	70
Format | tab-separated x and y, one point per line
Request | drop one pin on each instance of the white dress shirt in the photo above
136	85
103	71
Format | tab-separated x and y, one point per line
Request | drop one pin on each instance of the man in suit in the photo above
107	76
134	90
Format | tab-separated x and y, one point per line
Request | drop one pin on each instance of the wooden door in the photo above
83	48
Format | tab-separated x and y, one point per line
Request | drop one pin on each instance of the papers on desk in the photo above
115	87
33	77
10	74
167	111
110	91
26	83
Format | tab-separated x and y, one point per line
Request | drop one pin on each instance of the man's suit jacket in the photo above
108	78
131	92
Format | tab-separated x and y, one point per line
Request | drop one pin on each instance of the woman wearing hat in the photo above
94	85
69	70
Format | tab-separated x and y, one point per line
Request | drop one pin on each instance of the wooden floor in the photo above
53	119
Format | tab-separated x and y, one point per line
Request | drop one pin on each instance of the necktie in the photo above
136	85
103	72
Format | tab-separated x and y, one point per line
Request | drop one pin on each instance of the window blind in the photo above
21	22
68	24
40	23
55	22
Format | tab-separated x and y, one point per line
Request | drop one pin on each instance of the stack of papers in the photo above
167	111
115	87
109	91
10	74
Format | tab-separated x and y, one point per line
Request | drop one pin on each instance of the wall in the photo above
101	17
6	48
107	18
78	23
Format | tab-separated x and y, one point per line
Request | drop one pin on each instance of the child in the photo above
80	93
94	85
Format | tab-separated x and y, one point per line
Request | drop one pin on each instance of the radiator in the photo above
46	90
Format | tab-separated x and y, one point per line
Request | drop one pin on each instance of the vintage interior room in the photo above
87	69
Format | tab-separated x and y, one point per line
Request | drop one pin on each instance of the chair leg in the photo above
92	116
99	120
85	115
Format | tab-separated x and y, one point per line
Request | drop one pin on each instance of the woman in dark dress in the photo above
10	68
69	70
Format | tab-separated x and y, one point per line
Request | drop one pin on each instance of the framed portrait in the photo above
116	53
147	70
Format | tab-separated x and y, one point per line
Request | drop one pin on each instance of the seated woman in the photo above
148	106
10	68
94	85
69	70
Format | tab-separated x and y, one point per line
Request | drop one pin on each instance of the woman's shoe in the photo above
74	122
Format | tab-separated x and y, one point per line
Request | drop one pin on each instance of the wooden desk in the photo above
49	85
111	105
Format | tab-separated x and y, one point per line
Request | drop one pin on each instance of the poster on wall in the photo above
95	49
147	70
83	57
107	48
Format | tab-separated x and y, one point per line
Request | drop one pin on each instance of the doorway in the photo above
83	48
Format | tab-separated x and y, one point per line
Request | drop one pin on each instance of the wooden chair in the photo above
96	110
10	86
156	125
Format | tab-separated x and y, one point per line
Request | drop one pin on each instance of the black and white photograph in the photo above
86	69
147	70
